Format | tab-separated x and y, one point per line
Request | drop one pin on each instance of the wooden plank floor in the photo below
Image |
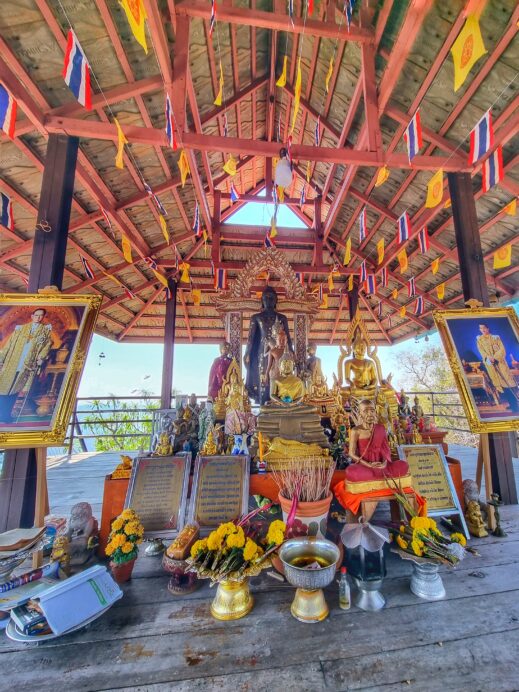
151	640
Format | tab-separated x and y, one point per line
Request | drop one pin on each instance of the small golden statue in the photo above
415	436
163	448
473	516
210	448
417	410
124	469
234	387
61	553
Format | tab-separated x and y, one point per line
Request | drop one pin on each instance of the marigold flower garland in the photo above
125	535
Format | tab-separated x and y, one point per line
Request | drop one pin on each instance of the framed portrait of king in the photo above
482	346
44	340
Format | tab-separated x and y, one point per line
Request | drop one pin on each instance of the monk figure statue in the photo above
256	352
219	370
370	452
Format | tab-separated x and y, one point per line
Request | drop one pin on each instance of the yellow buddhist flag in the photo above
403	311
435	265
164	228
281	193
380	251
136	16
435	190
297	95
440	291
258	295
394	293
121	141
466	50
324	304
127	249
503	257
330	282
113	278
219	95
273	229
347	253
283	76
230	166
350	282
447	204
184	268
329	75
402	260
308	171
197	296
183	165
161	278
382	176
511	208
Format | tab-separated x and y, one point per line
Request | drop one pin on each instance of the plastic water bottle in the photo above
344	591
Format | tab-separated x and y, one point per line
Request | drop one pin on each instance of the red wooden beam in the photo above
139	314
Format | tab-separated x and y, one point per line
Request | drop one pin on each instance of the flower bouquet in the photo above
229	556
122	548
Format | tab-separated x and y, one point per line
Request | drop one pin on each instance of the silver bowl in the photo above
310	579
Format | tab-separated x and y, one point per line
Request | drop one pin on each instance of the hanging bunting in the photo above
411	289
511	208
88	269
435	190
362	226
350	282
404	227
127	249
466	50
121	141
157	201
317	131
163	280
384	277
503	257
219	96
330	282
196	222
234	194
297	95
328	75
184	276
151	263
170	125
196	294
302	198
423	240
440	291
380	251
370	285
76	71
281	193
348	11
230	166
418	306
362	272
413	136
136	16
220	279
493	171
435	265
107	219
129	294
382	176
308	171
282	80
268	241
402	311
402	260
183	165
291	11
394	293
481	138
8	108
225	126
164	228
6	217
168	295
212	18
273	228
347	252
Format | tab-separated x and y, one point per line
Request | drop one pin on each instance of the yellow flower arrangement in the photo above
127	514
225	529
402	543
214	541
117	524
276	532
198	547
417	547
250	550
458	538
420	523
126	533
236	540
132	527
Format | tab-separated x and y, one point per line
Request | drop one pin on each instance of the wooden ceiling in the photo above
394	59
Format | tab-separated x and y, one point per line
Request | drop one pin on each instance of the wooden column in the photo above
473	281
18	481
169	346
353	298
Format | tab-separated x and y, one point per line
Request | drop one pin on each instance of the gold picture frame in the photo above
41	363
497	407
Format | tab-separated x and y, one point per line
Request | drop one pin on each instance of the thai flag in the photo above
106	217
291	11
362	225
320	293
348	10
413	136
157	201
170	125
234	194
423	240
167	291
7	112
403	227
371	284
379	309
389	321
289	148
268	242
493	169
384	277
317	131
212	19
220	279
302	199
76	71
275	196
25	280
88	269
151	263
481	138
299	277
411	288
129	294
7	218
418	306
362	273
196	222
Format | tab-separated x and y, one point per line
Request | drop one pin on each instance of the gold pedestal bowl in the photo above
232	600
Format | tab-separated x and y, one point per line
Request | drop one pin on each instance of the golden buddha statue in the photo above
232	385
209	448
124	469
163	448
287	387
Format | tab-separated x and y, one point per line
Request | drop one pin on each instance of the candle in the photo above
260	443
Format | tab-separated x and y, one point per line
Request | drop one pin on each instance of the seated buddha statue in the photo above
417	410
287	388
371	454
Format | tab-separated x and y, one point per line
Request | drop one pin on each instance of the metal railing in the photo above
105	417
